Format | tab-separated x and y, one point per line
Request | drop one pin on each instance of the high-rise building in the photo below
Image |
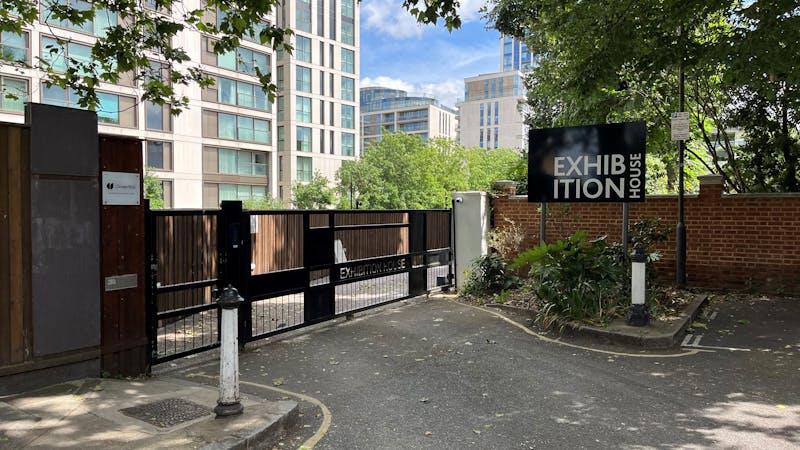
231	142
514	55
317	111
393	110
490	115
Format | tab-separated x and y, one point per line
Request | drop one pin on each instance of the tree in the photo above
606	60
262	203
315	194
403	172
153	191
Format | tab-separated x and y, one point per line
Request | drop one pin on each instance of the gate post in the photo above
151	282
234	253
417	245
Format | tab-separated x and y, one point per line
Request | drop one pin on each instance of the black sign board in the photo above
594	163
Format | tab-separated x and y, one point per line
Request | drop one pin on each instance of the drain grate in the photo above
168	412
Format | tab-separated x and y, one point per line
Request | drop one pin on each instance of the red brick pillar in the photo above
711	186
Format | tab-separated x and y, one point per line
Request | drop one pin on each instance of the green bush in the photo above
490	275
574	278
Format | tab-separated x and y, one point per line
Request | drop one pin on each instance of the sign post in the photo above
588	164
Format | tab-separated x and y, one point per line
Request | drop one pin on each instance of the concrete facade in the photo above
393	110
490	114
225	145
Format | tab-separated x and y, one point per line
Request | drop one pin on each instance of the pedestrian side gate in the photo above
293	268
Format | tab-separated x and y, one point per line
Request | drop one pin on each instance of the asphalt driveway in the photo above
434	373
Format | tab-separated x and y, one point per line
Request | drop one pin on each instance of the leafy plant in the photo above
153	191
490	275
315	194
574	278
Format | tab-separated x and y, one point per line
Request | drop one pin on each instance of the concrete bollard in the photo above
637	315
228	403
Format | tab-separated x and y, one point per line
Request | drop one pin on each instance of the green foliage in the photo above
604	61
574	278
490	275
316	194
256	204
153	191
402	171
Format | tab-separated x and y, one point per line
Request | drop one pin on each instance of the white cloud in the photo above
447	92
389	17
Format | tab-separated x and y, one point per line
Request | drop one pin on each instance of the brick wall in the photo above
733	241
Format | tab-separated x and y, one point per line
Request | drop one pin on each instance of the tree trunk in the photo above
788	155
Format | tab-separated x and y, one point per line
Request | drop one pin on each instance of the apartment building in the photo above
515	55
393	110
225	145
317	109
489	114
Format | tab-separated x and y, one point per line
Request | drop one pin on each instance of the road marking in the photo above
713	347
327	417
560	342
712	316
697	341
686	339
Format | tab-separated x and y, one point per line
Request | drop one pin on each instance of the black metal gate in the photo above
293	268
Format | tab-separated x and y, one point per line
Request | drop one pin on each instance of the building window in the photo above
482	112
244	60
303	49
348	144
331	141
13	94
411	115
331	114
321	53
348	116
238	93
331	54
241	162
496	137
97	25
321	19
322	141
496	112
322	112
303	15
281	107
303	109
60	56
304	169
112	109
303	139
281	138
348	61
159	155
303	79
332	27
14	47
237	128
348	89
348	22
480	140
241	192
157	117
279	83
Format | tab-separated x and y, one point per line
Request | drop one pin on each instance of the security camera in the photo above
459	200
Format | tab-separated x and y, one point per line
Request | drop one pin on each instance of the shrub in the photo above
507	240
574	278
490	275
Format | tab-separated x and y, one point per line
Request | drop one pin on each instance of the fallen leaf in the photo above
743	321
476	431
277	382
424	400
428	433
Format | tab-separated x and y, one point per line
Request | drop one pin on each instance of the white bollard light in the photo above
638	315
228	403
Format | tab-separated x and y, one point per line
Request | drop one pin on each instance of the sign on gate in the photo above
594	163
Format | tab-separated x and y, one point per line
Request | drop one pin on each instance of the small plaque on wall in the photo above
121	188
119	282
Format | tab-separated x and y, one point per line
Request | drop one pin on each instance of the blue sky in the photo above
396	52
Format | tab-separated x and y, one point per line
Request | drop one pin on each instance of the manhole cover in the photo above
167	413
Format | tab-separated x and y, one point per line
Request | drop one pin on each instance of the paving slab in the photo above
161	412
